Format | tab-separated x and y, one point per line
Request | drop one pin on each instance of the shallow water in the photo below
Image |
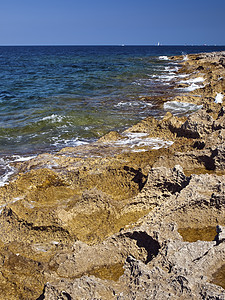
57	96
189	234
110	272
51	97
219	277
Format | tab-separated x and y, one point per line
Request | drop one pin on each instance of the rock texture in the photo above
116	220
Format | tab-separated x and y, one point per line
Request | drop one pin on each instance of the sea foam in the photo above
163	57
53	118
134	140
219	98
181	107
7	169
194	84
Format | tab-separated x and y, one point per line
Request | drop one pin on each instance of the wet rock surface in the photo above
136	215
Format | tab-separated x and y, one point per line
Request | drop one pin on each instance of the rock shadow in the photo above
139	177
63	295
147	242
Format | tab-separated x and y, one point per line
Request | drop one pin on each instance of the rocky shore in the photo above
118	220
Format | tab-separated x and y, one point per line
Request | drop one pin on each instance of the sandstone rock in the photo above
169	267
159	263
111	136
101	222
154	280
166	128
198	125
161	184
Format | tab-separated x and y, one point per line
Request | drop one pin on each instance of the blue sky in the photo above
112	22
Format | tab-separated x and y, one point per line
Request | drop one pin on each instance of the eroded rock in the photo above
108	221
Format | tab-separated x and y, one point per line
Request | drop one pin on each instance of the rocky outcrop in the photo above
166	128
116	220
157	262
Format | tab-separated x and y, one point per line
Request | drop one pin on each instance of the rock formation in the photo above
116	220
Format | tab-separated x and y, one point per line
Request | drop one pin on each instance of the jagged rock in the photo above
111	136
198	125
161	183
166	128
170	267
68	219
176	272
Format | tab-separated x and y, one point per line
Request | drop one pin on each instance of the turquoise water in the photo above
52	97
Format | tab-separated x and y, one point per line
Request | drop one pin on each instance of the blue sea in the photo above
57	96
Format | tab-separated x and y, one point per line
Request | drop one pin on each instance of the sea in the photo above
57	96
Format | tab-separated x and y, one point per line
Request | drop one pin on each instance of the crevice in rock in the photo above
207	161
41	297
66	296
177	186
221	113
175	183
199	145
147	242
183	131
139	177
198	258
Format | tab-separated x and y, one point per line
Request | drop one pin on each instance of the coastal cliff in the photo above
114	220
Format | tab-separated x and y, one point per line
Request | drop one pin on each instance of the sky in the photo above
112	22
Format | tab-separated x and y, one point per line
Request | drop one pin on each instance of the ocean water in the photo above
57	96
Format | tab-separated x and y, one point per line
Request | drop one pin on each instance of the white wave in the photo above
158	143
194	84
181	107
136	83
88	127
126	104
149	82
163	57
169	77
29	205
171	69
170	73
185	57
193	87
219	98
140	139
134	135
4	178
22	158
193	80
7	169
139	150
141	104
182	75
53	118
68	142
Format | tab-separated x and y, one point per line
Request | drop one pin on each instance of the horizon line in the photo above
113	45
